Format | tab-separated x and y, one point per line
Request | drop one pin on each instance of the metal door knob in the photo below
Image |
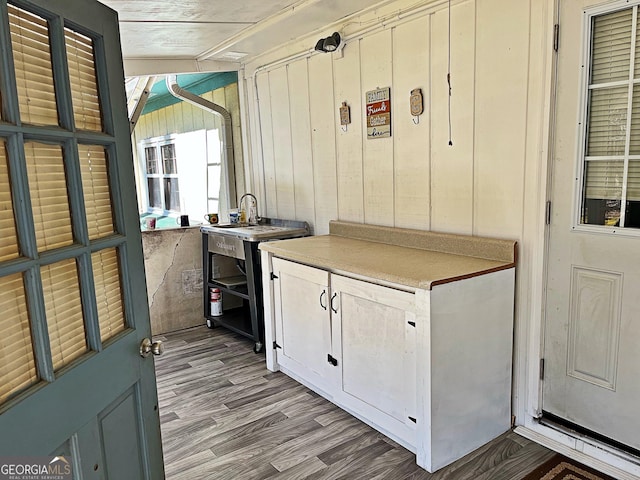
147	347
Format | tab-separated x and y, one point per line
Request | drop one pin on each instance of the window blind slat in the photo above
607	121
604	179
611	47
15	343
82	76
64	312
32	60
633	181
48	191
106	273
8	238
97	193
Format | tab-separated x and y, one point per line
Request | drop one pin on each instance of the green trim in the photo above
197	83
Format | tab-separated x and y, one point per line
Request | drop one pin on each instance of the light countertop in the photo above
420	265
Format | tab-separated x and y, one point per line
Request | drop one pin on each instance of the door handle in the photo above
147	347
334	310
324	292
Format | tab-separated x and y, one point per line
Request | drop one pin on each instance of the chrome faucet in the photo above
252	211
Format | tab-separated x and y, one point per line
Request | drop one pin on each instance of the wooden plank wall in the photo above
316	171
183	117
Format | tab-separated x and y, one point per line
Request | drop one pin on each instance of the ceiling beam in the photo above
135	67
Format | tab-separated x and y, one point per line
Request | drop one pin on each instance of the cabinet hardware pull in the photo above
413	324
275	345
413	419
332	297
273	276
324	292
332	361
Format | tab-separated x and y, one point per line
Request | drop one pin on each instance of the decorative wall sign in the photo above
379	113
345	115
415	101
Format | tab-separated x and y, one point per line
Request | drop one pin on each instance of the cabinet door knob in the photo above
334	310
324	293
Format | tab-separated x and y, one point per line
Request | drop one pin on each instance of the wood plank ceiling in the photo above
209	32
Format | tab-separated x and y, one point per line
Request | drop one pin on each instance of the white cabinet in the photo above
374	343
353	340
428	367
303	327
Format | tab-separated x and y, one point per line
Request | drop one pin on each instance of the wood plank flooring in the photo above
225	416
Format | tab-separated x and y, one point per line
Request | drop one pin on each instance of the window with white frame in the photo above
162	176
610	174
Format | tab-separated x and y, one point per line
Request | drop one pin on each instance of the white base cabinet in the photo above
374	345
431	369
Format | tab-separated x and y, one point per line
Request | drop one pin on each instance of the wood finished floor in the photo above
225	416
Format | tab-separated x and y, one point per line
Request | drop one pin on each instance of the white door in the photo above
303	323
592	331
374	340
75	393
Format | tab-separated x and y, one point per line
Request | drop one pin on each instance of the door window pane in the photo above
634	141
8	239
603	192
611	47
84	86
32	61
17	364
607	121
106	276
632	218
612	125
48	189
97	193
64	312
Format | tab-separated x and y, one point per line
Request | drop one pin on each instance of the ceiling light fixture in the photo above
330	44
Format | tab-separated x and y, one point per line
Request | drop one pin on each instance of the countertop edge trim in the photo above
444	281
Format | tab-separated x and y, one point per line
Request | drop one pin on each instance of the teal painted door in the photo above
73	304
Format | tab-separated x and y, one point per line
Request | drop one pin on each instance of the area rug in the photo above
563	468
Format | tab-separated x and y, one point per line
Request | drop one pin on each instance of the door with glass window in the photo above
73	305
592	327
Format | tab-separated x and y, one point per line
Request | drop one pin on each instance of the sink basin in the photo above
267	229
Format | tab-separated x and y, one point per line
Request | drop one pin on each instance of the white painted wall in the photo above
491	182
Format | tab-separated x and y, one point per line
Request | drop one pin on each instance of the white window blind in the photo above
32	61
611	47
610	179
633	181
604	179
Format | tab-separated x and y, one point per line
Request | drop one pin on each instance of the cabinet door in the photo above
374	339
303	328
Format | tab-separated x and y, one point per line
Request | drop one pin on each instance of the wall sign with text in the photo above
379	113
